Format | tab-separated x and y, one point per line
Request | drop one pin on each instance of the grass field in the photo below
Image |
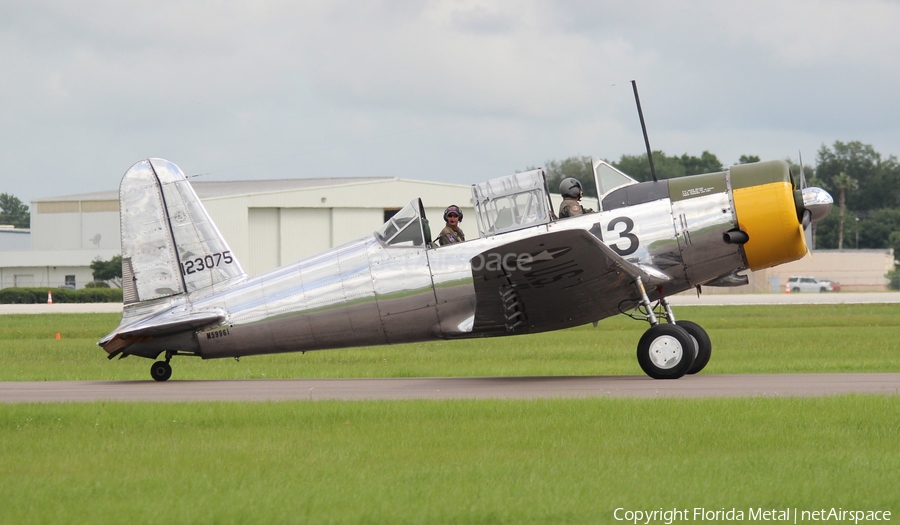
542	461
746	339
460	461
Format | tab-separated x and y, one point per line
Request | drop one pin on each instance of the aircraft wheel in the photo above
665	351
160	371
702	345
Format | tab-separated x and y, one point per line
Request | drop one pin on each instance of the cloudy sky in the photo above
456	91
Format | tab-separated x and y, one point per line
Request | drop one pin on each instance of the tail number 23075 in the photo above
206	263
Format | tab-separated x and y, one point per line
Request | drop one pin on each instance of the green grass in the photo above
746	339
456	461
462	461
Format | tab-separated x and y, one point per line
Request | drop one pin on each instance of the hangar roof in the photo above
212	189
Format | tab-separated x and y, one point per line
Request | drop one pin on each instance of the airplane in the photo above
186	294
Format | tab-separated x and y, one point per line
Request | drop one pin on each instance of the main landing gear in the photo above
669	351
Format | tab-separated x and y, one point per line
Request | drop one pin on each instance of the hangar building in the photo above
267	223
274	222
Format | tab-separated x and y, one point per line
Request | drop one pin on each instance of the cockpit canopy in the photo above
511	203
502	205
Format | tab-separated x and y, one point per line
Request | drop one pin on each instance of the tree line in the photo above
864	183
14	212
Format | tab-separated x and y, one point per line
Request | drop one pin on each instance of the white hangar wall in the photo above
28	268
75	225
267	230
266	223
67	233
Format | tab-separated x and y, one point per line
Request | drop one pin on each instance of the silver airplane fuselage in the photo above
667	236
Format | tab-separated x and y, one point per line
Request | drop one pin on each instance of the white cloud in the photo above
451	90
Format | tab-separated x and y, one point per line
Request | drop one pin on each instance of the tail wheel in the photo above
161	371
665	351
702	345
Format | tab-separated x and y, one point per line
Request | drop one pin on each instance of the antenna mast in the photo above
637	100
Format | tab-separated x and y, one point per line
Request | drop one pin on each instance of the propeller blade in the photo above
807	231
808	198
802	176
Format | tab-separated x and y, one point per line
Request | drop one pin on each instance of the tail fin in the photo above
170	246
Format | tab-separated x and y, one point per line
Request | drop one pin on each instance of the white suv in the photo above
811	284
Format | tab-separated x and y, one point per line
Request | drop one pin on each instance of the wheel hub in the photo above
665	352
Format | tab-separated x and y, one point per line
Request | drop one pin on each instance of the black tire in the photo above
665	351
795	290
703	345
160	371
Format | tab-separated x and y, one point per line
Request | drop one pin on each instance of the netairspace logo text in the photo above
787	515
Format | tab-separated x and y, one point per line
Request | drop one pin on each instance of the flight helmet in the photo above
570	187
455	209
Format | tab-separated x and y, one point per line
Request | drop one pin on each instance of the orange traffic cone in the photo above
57	336
49	297
787	288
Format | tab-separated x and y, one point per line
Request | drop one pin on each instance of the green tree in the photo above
110	270
748	159
635	166
878	179
876	228
638	167
844	184
13	211
579	167
877	193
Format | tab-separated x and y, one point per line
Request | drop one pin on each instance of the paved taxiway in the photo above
774	385
701	385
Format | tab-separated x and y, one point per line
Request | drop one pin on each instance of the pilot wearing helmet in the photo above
452	233
571	191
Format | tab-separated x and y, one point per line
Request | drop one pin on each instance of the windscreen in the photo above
609	178
403	228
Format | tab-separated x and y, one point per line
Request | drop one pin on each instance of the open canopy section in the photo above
405	227
511	203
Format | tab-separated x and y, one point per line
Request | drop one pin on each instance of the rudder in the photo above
170	246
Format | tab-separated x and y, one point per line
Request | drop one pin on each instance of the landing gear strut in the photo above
669	351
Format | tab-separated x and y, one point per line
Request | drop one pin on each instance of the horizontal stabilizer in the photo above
166	324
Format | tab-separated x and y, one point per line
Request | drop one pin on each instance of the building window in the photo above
390	212
70	280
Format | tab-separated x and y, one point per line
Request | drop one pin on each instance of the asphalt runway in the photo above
774	385
770	385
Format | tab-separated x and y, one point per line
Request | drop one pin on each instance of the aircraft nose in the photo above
818	202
